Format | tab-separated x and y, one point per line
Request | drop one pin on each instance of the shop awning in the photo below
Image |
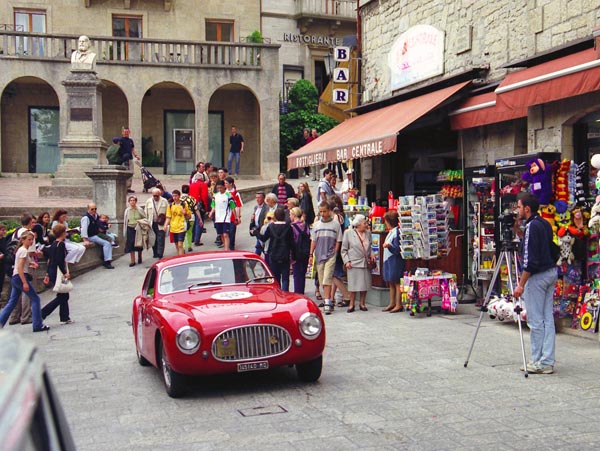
564	77
482	110
371	134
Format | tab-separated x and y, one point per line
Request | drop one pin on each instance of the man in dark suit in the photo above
257	220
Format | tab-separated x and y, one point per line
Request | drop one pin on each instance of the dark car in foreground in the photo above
31	416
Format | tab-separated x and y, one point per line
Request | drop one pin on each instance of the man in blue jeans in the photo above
237	147
537	284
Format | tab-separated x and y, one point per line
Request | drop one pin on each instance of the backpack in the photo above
9	254
302	250
113	155
191	204
279	243
12	244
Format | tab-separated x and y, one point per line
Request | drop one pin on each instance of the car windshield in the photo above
210	273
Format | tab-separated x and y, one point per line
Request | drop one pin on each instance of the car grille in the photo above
253	342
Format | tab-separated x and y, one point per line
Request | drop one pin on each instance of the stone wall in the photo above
184	21
201	84
476	32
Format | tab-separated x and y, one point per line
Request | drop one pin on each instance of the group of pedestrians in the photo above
293	238
289	233
19	254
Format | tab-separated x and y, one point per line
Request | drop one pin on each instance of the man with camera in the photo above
537	283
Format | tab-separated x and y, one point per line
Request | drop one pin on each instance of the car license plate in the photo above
226	347
254	366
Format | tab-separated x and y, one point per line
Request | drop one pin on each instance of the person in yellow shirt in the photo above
177	216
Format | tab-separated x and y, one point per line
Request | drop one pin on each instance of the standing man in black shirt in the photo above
537	284
237	147
127	152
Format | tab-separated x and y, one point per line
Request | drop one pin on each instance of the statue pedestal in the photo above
83	146
109	184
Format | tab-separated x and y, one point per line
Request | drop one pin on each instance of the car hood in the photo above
235	300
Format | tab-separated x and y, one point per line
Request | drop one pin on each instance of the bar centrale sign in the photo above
362	150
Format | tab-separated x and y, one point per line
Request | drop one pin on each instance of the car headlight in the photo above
188	340
310	325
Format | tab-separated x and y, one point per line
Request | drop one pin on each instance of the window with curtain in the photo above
31	21
221	31
125	27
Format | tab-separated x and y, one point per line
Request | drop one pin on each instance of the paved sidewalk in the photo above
390	382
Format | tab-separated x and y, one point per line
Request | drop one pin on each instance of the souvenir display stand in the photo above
567	203
480	242
425	240
428	286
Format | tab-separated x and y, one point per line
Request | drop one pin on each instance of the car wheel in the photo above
141	359
138	339
174	382
310	371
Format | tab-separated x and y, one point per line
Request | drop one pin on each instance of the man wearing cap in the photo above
348	183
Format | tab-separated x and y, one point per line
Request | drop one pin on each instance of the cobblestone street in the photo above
390	381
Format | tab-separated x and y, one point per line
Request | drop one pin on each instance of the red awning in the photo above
371	134
482	110
569	76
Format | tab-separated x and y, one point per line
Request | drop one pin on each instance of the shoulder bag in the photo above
371	263
62	284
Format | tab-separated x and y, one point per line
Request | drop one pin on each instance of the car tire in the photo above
174	382
141	359
310	371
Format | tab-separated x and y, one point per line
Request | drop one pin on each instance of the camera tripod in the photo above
509	255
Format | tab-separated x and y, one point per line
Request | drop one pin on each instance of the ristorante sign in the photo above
367	149
312	39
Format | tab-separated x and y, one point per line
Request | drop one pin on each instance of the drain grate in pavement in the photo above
266	410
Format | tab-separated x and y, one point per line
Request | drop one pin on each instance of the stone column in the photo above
110	194
82	147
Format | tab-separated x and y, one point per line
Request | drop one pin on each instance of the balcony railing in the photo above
114	50
334	9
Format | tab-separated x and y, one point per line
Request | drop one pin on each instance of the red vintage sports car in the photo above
221	312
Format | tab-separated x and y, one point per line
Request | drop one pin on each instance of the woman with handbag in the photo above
133	213
356	254
393	263
58	276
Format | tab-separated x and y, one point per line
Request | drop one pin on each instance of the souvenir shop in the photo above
568	191
405	153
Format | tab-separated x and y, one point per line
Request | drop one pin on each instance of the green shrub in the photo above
255	37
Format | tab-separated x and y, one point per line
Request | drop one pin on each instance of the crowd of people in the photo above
293	238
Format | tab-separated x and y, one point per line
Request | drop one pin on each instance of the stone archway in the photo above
168	108
115	111
33	101
235	105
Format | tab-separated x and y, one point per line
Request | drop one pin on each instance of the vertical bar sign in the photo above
341	75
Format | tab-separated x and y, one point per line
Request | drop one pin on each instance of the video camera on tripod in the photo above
508	257
507	223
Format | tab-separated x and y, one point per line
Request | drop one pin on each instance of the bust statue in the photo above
82	58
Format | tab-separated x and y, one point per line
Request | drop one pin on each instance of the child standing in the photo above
20	283
222	211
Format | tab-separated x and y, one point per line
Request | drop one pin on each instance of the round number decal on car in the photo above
231	295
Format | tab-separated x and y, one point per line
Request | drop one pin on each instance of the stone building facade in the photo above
164	66
491	36
307	31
